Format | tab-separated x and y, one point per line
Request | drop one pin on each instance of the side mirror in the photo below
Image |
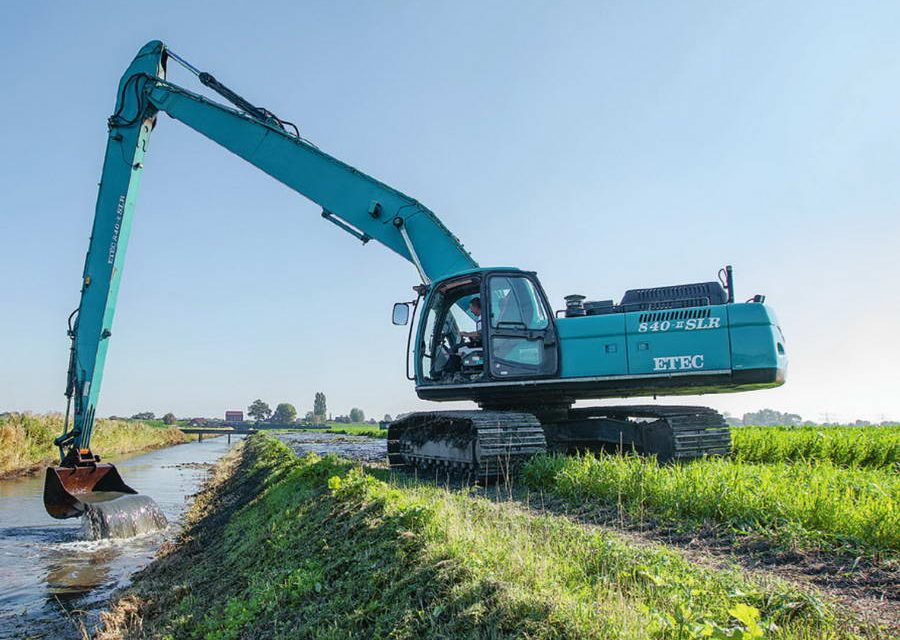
400	316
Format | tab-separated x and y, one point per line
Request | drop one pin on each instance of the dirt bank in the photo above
281	546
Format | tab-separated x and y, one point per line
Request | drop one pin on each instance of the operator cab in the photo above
515	340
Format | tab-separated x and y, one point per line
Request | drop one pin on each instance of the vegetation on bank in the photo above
26	440
806	504
871	446
280	546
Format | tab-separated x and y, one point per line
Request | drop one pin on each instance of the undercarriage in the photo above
492	443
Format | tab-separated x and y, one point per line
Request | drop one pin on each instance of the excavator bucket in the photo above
68	490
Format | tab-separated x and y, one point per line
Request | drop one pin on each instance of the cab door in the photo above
520	331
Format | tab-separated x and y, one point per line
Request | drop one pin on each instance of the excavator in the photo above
487	335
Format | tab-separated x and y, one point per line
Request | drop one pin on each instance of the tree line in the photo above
286	413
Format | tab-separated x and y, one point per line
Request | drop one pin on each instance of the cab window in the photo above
515	303
522	342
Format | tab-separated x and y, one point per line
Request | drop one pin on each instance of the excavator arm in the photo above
355	202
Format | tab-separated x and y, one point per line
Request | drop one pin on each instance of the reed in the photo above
26	439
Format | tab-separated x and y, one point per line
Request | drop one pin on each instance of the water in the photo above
55	576
361	448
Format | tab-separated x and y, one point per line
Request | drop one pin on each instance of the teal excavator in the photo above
482	334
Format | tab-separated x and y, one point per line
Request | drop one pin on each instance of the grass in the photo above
26	440
877	447
357	429
807	504
283	547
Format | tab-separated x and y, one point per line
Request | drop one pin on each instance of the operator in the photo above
475	310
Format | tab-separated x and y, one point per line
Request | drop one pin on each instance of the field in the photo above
26	440
357	429
831	488
875	447
813	504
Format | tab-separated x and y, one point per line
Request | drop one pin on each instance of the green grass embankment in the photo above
282	547
26	440
875	447
804	504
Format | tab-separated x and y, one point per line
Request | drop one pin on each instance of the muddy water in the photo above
360	448
54	579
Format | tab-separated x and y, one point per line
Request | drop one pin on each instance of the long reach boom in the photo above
355	202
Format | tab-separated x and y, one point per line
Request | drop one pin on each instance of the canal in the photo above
54	581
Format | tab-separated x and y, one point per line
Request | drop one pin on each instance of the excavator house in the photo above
488	335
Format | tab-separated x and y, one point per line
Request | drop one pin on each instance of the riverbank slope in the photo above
281	546
26	440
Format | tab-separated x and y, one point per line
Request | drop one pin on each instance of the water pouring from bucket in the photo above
82	486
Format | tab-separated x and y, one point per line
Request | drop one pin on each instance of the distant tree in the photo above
357	415
387	418
170	418
319	407
730	420
770	417
310	417
144	415
285	413
259	410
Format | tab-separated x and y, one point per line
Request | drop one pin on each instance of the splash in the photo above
121	516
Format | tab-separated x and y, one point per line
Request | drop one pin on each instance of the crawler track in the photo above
669	432
484	444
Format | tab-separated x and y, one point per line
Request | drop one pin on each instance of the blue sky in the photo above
605	145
